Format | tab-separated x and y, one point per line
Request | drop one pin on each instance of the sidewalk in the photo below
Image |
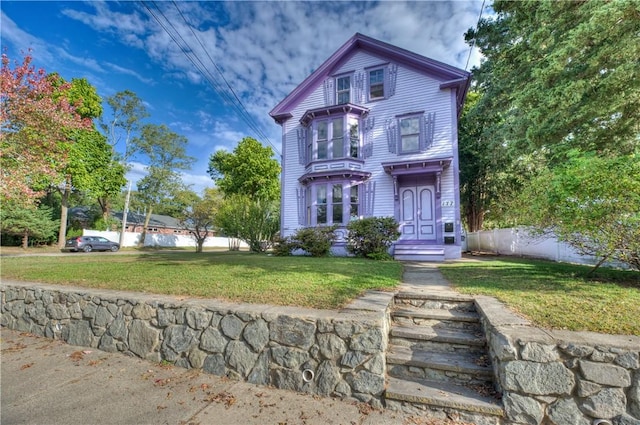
49	382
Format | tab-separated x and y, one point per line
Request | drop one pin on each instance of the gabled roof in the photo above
450	76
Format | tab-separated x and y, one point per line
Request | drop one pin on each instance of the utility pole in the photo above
124	215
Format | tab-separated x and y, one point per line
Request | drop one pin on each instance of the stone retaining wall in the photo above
315	351
561	377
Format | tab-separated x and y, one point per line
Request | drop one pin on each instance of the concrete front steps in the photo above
418	252
437	360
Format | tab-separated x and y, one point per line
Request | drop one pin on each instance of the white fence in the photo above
518	242
159	240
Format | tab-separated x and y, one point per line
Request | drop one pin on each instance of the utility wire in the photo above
473	44
224	91
239	102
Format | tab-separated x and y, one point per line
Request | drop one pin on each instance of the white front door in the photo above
417	213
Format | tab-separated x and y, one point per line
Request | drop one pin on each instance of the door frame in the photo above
415	182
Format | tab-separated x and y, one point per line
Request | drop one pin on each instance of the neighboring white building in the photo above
373	132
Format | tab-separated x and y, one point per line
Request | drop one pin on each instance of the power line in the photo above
224	91
473	44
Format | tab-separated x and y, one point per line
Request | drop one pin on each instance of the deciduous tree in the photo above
249	170
166	152
198	218
34	122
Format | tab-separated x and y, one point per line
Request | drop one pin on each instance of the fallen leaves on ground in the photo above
224	397
76	356
17	347
419	420
26	366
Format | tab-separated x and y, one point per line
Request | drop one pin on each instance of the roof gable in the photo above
450	76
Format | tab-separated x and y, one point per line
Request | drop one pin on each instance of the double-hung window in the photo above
343	89
409	134
376	84
330	138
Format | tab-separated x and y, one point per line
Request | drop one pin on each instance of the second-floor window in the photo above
331	141
343	89
409	134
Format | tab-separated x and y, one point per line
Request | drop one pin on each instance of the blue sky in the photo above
262	50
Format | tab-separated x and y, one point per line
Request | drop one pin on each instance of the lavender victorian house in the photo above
373	132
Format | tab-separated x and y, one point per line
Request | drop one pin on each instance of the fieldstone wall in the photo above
561	377
316	351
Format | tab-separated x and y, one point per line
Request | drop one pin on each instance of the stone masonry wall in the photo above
561	377
316	351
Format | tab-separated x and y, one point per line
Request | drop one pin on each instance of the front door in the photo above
417	213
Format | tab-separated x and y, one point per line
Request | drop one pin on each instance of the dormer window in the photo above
343	89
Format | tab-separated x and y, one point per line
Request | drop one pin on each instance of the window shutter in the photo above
392	75
367	126
368	195
428	123
329	92
392	135
302	204
359	87
302	145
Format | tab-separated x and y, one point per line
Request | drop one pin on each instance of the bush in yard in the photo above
315	241
371	237
282	247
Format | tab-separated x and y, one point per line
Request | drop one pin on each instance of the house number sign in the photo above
448	203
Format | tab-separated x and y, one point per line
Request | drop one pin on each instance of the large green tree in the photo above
166	154
565	74
127	112
90	165
249	170
562	78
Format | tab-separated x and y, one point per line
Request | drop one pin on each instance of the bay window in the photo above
329	138
331	203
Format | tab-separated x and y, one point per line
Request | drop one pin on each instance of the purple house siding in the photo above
373	132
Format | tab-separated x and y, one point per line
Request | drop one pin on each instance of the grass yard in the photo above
555	295
325	283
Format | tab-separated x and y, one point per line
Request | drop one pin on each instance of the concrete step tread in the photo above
435	313
451	296
469	363
445	335
441	394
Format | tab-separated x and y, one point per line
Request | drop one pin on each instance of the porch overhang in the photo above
353	175
416	166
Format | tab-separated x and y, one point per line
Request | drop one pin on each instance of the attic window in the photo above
343	89
376	84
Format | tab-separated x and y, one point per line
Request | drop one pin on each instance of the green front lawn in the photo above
555	295
551	295
235	276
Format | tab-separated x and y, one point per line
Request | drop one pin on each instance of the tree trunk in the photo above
199	244
105	207
64	211
143	236
25	239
